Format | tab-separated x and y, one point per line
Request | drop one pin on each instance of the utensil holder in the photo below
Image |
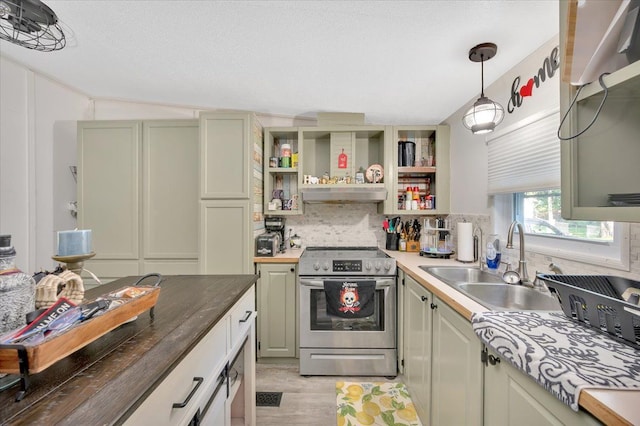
413	246
392	241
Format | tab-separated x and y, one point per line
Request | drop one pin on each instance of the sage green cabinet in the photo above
456	379
430	172
226	240
137	192
417	345
277	318
226	154
287	178
604	159
513	398
441	353
230	191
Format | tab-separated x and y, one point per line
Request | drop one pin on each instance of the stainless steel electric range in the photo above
347	311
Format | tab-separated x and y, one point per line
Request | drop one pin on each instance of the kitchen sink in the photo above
489	290
510	297
462	274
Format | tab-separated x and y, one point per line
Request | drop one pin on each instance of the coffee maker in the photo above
276	224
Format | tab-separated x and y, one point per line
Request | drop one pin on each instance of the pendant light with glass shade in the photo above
485	114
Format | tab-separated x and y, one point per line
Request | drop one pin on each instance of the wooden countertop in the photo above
608	406
106	380
289	256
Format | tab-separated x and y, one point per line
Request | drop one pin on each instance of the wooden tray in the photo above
54	349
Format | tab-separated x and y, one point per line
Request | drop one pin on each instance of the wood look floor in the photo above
308	401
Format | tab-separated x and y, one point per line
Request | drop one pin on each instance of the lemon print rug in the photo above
377	403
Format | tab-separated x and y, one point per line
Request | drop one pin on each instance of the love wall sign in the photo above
550	65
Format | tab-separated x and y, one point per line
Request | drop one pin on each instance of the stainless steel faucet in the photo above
479	259
522	264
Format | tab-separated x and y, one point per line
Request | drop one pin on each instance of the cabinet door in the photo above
226	148
417	349
602	161
226	240
456	382
170	188
512	398
400	316
277	310
109	193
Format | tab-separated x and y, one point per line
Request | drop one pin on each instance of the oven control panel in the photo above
347	266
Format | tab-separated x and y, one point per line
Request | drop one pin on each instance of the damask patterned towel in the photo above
561	355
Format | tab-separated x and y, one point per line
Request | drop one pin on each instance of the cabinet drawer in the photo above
196	373
242	316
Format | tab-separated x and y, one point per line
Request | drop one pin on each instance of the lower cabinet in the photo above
451	384
214	384
277	325
226	240
456	378
417	318
513	398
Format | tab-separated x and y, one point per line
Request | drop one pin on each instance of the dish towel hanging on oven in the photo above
350	299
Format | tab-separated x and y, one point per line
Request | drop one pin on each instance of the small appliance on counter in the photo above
271	242
267	244
436	239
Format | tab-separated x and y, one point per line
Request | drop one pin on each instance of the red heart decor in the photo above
527	89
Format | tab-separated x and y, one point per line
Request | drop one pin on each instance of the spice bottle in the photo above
408	198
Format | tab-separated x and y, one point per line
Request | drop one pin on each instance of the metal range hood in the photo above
351	194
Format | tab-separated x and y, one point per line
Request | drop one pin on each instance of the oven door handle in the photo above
320	284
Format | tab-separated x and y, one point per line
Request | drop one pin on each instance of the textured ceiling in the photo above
396	61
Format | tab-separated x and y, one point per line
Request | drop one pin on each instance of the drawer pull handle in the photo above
221	379
246	316
193	391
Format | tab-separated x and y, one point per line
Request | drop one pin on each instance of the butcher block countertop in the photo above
289	256
608	406
104	382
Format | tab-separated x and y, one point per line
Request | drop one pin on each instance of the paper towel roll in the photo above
465	241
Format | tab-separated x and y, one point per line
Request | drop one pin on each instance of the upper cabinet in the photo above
138	193
281	180
226	155
600	173
230	191
356	163
418	164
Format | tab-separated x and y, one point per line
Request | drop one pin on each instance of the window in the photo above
539	213
546	233
523	177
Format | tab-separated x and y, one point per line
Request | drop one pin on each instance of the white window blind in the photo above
525	156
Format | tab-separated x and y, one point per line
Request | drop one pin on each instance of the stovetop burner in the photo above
348	261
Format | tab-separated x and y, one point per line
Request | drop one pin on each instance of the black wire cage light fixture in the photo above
485	114
31	24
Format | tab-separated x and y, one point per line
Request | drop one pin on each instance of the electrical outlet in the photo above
72	206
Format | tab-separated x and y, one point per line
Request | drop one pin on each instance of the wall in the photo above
37	144
469	153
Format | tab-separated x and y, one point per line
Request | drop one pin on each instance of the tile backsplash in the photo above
361	225
355	224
